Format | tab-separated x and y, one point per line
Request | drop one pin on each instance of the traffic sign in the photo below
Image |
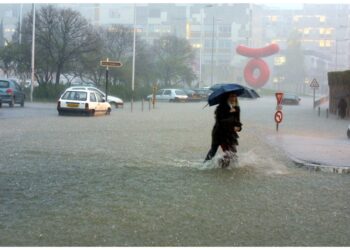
114	64
314	84
279	97
278	116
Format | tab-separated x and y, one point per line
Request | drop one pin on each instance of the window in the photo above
322	19
4	84
280	60
273	18
99	97
75	95
167	92
92	97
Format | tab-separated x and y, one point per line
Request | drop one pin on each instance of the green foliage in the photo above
173	58
48	92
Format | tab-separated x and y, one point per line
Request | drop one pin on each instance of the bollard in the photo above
142	105
319	111
149	104
327	113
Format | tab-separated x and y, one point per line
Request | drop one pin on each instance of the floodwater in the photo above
138	179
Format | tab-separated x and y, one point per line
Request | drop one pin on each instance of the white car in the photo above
113	100
87	102
169	95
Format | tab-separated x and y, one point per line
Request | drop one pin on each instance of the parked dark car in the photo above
0	102
203	93
290	99
193	96
11	92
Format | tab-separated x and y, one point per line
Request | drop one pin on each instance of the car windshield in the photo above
4	84
75	96
180	92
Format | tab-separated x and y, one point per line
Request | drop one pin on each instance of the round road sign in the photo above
278	116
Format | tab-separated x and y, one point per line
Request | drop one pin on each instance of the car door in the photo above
93	104
159	95
101	103
167	95
17	92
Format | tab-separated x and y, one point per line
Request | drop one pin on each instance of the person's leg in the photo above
212	152
229	152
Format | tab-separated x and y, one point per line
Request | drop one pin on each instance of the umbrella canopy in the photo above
220	92
248	92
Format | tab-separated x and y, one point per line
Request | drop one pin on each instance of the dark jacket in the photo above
225	121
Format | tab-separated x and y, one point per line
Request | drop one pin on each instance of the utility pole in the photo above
20	24
33	56
133	62
212	53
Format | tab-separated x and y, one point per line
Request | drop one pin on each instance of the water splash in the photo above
261	163
253	161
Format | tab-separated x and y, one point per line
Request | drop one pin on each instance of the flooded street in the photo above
138	179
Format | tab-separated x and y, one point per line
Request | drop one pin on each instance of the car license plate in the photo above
73	105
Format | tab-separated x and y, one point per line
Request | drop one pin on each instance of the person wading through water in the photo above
224	133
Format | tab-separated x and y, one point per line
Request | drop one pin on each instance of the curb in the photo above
320	167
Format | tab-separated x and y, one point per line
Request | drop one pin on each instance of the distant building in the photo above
324	31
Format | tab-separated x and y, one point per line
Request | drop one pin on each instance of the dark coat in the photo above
225	121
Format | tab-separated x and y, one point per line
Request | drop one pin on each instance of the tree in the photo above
62	36
173	60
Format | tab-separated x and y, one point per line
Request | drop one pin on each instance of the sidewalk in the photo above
320	154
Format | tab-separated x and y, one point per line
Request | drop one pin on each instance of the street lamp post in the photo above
202	43
33	56
133	61
212	54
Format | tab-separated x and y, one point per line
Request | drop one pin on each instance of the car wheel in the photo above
12	103
108	112
92	112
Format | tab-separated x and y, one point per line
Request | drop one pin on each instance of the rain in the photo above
137	176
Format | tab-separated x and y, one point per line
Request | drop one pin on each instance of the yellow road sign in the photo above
114	64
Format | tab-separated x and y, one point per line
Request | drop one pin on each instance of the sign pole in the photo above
107	82
314	84
278	114
107	64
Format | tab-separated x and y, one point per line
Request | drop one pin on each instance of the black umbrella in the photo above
248	92
221	92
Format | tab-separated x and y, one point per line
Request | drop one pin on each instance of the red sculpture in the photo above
257	63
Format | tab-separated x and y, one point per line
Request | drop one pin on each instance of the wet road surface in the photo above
137	179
